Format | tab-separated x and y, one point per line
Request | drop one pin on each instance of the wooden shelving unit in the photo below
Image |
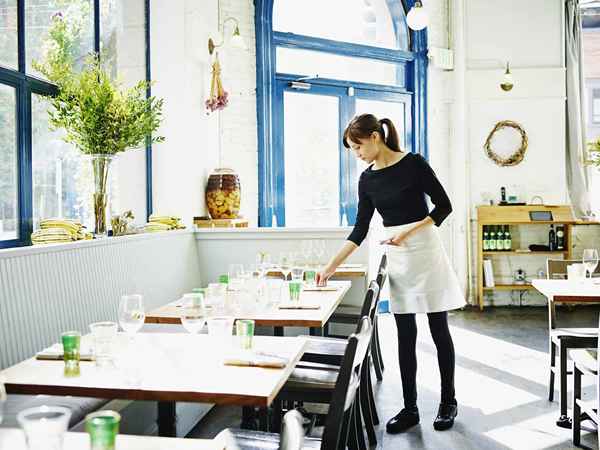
518	215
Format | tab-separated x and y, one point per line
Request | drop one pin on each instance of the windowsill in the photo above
57	248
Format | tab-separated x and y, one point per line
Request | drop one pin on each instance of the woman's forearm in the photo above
346	250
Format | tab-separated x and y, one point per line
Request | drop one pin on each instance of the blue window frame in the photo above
25	86
409	90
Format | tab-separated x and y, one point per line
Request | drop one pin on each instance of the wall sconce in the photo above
417	18
507	81
236	39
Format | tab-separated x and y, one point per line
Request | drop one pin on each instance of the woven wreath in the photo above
516	157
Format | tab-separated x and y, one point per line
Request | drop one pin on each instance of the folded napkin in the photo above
320	288
256	359
55	353
298	305
350	265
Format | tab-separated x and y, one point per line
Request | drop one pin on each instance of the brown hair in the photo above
362	126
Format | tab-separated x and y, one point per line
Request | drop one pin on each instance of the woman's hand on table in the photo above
324	275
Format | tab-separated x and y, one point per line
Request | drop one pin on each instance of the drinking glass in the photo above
71	341
273	291
307	248
103	427
2	399
104	335
236	271
590	260
131	314
44	426
285	264
295	287
319	249
193	318
297	267
215	295
244	329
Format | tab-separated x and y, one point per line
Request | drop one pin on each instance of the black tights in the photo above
407	341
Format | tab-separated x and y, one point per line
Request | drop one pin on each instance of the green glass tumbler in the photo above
224	279
295	289
103	427
71	341
310	276
244	329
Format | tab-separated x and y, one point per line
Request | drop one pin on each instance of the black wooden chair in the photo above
561	340
351	314
341	418
585	362
329	351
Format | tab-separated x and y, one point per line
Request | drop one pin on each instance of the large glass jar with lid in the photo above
223	194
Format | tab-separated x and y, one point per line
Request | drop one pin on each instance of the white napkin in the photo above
350	265
256	359
299	305
55	353
320	288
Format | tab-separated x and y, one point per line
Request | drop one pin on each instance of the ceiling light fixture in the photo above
417	18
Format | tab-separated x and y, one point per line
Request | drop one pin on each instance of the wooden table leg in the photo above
277	331
248	418
167	419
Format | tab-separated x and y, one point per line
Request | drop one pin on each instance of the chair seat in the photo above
258	440
79	406
586	359
325	345
558	333
313	379
346	313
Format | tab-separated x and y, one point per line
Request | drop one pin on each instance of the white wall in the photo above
181	67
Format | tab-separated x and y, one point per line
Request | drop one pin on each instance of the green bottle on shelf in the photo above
486	238
507	238
492	241
500	238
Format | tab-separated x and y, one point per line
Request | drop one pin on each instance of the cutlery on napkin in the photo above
299	306
256	359
55	353
320	288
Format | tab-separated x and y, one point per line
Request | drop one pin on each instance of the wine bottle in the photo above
502	194
560	237
486	238
507	238
500	238
552	238
492	242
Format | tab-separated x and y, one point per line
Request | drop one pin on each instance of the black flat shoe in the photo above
445	417
403	421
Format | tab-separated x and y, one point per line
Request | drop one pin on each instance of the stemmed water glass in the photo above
193	318
285	264
131	314
590	260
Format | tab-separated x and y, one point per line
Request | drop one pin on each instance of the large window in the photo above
40	175
315	72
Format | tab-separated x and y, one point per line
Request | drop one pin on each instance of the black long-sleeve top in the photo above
398	193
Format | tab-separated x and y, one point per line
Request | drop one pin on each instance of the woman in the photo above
420	276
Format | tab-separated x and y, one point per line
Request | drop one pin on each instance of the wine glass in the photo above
590	260
285	264
297	267
131	314
193	318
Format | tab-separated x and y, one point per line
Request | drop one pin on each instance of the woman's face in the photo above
366	149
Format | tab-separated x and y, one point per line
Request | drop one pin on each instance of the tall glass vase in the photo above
100	168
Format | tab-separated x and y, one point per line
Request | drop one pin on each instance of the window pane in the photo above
9	223
62	179
8	33
38	19
326	65
312	156
341	20
123	44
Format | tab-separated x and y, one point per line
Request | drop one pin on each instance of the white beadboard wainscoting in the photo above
45	290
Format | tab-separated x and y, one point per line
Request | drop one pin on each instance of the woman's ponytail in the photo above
391	136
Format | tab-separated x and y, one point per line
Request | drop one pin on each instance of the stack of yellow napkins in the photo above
163	223
54	231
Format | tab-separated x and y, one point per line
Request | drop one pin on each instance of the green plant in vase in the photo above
98	116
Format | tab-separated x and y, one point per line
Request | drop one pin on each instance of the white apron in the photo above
421	279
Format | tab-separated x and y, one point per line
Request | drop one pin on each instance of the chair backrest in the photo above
292	431
556	269
382	271
369	306
335	434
